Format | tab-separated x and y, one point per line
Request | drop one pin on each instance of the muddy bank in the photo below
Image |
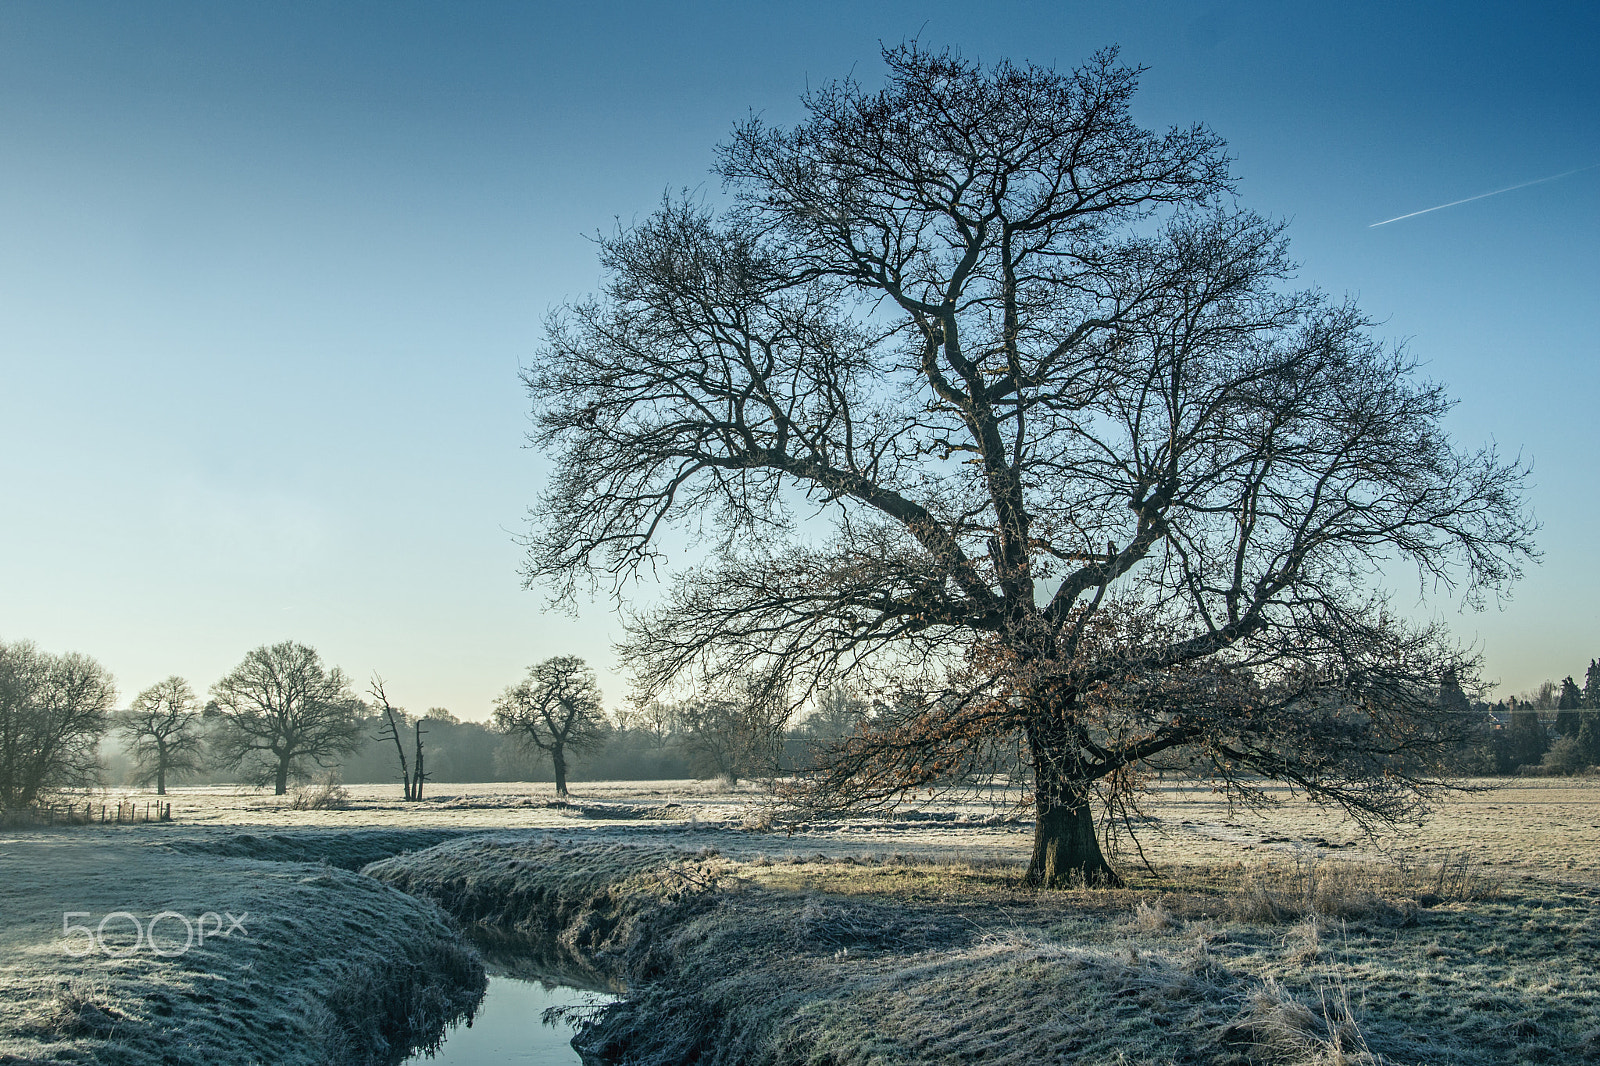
252	961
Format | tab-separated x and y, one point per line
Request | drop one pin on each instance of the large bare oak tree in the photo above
282	711
979	385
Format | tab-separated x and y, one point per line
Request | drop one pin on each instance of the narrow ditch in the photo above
519	1022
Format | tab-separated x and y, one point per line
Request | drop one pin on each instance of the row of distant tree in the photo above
281	716
271	719
1551	729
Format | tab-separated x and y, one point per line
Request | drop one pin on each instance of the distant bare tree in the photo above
737	732
1543	697
838	713
1077	458
394	720
280	711
163	731
655	717
556	710
53	711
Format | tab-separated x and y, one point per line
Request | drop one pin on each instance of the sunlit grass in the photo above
906	959
1285	938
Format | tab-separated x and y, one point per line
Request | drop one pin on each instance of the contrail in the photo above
1481	195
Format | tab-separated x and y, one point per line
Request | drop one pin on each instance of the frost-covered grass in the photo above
1549	827
348	849
326	966
821	960
1284	937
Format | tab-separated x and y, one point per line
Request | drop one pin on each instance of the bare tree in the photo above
655	717
838	712
394	718
1093	473
281	710
53	711
556	710
737	732
163	731
1545	697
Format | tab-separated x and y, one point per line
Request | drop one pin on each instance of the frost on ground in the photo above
865	961
318	964
1285	937
1543	827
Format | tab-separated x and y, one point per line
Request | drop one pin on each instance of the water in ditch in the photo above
508	1027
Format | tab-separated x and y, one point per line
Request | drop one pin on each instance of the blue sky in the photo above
267	273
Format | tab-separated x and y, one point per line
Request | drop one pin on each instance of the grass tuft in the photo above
1278	1028
78	1009
1152	916
1285	892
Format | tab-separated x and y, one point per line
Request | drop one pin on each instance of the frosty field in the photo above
1545	827
1285	937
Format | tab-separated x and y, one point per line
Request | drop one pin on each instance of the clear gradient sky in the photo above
268	271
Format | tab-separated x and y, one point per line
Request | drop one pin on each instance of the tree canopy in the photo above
163	730
282	712
554	710
980	389
53	711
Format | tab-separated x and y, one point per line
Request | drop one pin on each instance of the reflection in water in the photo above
507	1027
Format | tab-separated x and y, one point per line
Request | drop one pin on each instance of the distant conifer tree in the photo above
1528	739
1567	719
1589	739
1591	686
1474	754
1451	697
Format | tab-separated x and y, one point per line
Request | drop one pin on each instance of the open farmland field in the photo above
1543	827
1284	936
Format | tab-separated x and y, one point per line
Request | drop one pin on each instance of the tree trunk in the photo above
394	729
282	782
161	779
1066	849
559	761
421	774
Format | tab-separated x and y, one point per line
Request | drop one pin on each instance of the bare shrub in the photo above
326	795
1459	880
1565	758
